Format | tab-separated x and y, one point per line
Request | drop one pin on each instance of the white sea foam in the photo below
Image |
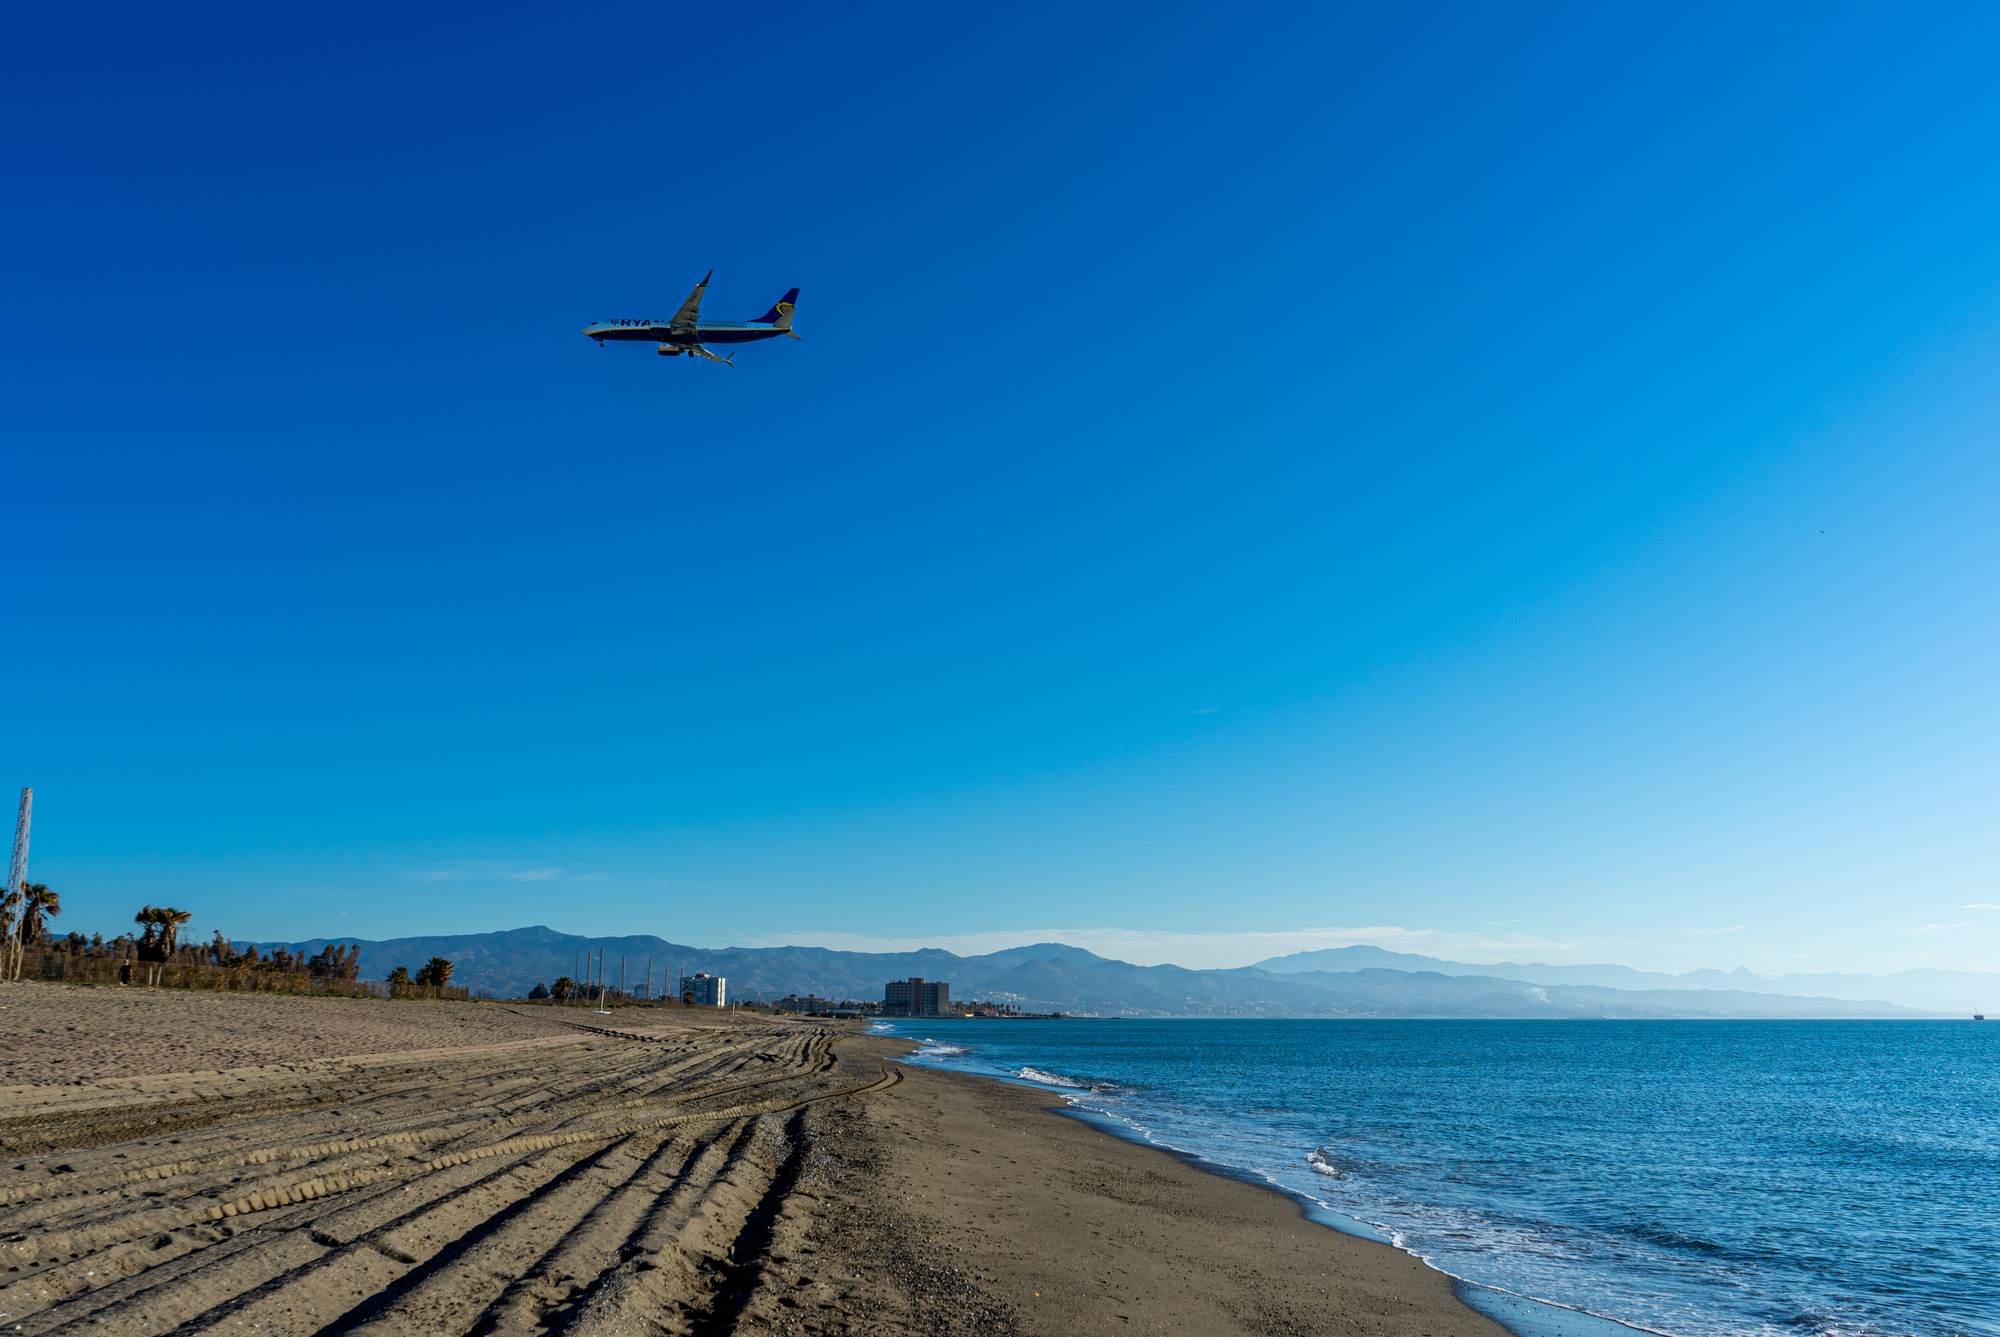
936	1050
1374	1153
1050	1079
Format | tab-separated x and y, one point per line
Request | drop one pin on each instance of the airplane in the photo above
687	332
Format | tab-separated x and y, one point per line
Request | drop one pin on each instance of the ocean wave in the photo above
1051	1079
936	1050
1438	1139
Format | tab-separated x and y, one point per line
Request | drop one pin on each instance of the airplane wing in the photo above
690	311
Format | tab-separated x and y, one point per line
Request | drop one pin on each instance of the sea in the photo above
1584	1178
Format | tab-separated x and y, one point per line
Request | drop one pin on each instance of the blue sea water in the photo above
1694	1178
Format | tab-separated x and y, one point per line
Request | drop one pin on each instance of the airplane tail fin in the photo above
780	314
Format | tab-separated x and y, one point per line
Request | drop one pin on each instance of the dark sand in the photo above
1079	1231
338	1166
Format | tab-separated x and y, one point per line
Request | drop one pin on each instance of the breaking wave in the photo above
1051	1079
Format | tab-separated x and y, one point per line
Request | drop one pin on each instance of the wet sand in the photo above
1083	1232
463	1168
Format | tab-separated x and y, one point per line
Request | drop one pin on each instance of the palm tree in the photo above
163	927
149	944
563	988
170	926
147	949
400	975
163	931
38	906
437	973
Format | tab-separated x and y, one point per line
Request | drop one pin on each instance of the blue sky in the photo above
1499	484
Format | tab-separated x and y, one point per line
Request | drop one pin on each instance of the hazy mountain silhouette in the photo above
1050	977
1930	989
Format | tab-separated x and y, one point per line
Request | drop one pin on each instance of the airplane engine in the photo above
668	350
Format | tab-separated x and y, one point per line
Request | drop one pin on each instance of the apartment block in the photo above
916	997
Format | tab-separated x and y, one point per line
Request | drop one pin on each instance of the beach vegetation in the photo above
335	962
38	906
158	957
24	916
163	930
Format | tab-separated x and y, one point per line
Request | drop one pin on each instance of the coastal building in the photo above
702	989
916	997
813	1005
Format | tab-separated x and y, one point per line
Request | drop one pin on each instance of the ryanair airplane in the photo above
687	332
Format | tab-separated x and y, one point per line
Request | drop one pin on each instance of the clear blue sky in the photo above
1503	483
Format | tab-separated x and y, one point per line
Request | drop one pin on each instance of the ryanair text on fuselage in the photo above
688	333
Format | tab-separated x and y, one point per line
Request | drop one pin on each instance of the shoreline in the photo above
665	1176
1521	1315
1082	1230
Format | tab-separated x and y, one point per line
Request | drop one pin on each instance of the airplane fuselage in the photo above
662	332
687	333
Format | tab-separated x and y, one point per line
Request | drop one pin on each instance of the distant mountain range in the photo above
1053	977
1939	990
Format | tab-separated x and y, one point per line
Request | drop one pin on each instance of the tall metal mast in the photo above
17	876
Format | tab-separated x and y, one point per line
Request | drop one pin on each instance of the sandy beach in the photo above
336	1166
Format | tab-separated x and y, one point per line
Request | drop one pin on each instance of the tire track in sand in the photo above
477	1192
